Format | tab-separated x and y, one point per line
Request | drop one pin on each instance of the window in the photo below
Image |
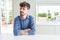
7	12
48	15
7	16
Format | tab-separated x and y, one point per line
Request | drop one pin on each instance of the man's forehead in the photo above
24	7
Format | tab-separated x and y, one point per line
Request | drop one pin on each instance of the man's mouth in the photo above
21	12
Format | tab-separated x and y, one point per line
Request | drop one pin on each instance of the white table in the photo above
33	37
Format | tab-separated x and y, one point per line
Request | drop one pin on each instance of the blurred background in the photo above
9	9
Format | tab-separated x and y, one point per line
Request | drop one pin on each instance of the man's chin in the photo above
21	15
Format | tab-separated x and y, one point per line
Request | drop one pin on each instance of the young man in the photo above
24	24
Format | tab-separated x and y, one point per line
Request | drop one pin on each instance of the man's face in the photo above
23	11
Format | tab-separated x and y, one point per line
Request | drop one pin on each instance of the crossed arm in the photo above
17	30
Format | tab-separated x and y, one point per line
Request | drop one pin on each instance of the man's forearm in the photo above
26	31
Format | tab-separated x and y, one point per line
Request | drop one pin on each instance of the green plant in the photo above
10	16
49	16
42	15
56	13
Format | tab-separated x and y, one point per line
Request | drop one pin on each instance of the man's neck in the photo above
24	17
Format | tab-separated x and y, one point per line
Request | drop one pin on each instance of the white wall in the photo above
0	20
48	1
48	29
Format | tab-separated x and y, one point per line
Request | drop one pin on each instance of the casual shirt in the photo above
20	24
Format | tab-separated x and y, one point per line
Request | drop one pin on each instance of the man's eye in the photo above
23	9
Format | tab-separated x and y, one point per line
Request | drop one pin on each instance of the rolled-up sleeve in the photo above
17	29
32	25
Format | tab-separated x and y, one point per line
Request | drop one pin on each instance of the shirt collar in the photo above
26	17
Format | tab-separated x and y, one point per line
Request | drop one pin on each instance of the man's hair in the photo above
23	4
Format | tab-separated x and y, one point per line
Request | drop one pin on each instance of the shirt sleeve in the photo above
17	29
32	25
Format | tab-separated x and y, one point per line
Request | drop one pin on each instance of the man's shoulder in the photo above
30	16
31	19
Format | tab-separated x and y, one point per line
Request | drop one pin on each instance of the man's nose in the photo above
21	9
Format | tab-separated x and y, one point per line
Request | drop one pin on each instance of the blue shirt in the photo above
20	24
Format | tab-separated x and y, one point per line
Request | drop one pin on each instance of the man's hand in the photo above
25	32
